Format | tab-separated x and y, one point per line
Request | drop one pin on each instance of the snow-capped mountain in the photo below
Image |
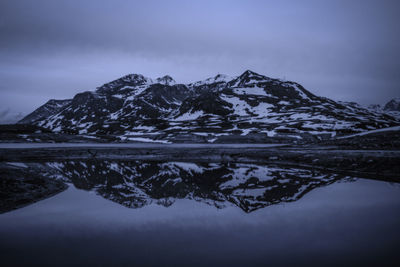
391	108
249	107
393	105
220	78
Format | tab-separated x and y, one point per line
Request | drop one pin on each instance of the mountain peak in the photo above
248	77
250	72
127	80
393	105
136	78
220	76
167	80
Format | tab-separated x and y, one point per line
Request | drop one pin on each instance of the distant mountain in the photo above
392	108
250	107
393	105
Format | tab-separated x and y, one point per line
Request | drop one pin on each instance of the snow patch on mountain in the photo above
220	78
250	91
189	116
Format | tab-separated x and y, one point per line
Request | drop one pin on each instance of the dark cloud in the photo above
345	50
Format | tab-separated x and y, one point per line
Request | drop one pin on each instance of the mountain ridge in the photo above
220	108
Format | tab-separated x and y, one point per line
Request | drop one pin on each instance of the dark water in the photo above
208	214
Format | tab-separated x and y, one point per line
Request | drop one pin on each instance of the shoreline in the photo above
374	164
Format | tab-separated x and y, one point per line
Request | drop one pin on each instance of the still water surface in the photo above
174	213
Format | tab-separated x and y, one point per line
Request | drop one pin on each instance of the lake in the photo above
203	214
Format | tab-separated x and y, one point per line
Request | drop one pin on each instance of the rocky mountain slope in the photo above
51	107
250	107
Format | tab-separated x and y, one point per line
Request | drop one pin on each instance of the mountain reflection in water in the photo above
136	184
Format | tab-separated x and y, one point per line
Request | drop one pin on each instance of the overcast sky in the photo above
344	50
